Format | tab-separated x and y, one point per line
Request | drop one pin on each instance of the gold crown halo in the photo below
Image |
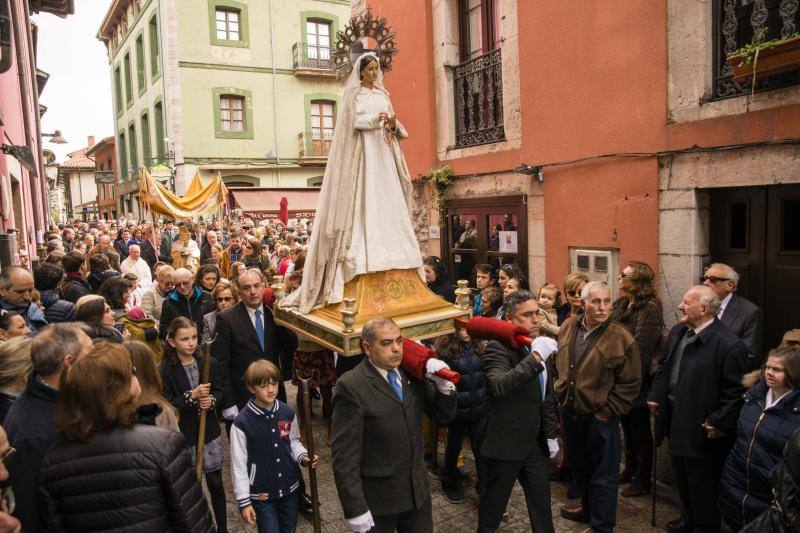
358	28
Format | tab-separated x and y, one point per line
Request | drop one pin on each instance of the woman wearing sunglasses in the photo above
224	296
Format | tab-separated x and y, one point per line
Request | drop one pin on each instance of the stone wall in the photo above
684	206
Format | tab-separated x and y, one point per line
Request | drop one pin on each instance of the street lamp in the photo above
55	137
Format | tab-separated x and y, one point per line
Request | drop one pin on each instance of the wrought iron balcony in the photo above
313	147
105	176
735	24
312	60
479	100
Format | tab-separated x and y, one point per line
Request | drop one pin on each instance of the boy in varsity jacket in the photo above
265	452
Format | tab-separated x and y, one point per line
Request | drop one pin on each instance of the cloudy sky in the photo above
78	94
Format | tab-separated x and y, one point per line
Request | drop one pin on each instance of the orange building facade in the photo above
106	178
573	137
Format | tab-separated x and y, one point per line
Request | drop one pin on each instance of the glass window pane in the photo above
233	26
737	239
221	16
327	110
233	36
315	123
236	103
224	114
221	26
311	28
233	17
327	122
790	222
324	29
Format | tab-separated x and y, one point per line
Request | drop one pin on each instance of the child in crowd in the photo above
265	452
135	293
549	301
153	408
180	372
484	277
463	355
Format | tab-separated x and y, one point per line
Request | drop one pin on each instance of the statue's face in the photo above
370	72
184	234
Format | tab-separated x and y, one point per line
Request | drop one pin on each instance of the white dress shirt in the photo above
723	305
385	374
252	313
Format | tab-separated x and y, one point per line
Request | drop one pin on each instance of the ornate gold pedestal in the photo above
397	294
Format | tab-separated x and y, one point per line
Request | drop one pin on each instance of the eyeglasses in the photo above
624	276
225	299
574	294
714	279
183	283
8	453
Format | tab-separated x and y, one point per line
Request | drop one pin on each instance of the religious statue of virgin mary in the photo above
363	221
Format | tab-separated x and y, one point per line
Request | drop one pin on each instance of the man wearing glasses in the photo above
187	300
740	315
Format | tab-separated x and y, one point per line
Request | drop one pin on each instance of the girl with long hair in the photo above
180	373
152	406
463	355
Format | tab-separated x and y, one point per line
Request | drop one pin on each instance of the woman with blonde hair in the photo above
96	418
153	408
224	296
15	366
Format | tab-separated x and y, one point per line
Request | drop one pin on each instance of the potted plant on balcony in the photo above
764	58
440	179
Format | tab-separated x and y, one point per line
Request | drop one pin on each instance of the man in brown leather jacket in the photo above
599	375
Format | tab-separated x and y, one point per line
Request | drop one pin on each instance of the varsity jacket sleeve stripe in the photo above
241	481
299	451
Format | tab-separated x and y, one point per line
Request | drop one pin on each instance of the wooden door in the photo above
756	230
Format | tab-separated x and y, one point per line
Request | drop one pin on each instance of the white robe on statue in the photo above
363	221
382	237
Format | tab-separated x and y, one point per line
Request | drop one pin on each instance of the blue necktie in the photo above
394	382
259	329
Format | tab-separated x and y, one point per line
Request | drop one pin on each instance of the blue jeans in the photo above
594	456
279	516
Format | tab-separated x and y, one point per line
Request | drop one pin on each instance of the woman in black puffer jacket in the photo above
463	355
769	416
107	473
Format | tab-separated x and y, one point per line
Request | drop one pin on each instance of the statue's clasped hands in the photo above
390	121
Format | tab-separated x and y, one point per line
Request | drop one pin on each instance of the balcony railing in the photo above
314	144
312	60
735	24
105	176
479	100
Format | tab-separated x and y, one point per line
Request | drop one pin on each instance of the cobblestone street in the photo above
633	514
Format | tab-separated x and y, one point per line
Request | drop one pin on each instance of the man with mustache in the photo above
599	375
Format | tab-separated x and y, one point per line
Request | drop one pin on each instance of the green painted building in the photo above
245	88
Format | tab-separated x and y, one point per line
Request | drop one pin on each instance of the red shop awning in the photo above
260	204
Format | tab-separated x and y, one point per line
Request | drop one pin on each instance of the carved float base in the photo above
397	294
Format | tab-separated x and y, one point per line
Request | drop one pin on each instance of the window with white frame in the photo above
231	113
228	24
318	37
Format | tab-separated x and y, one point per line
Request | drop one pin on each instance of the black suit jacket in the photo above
377	447
176	383
709	388
515	417
149	254
236	346
744	319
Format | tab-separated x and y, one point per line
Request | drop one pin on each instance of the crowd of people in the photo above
131	352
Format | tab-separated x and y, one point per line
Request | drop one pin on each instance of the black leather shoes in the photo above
679	525
576	514
304	503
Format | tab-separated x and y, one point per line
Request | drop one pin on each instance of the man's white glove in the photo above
445	386
544	346
552	445
434	365
361	523
230	413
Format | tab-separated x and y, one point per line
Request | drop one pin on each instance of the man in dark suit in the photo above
740	315
377	444
245	333
518	430
697	394
149	252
